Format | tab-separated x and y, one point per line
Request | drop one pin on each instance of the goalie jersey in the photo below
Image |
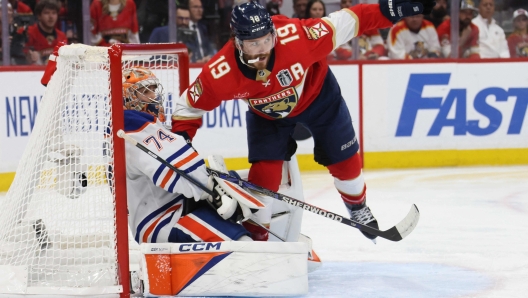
155	193
294	76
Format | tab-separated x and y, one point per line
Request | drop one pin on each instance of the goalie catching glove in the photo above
231	201
395	10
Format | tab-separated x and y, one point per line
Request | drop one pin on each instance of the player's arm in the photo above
353	21
203	95
169	146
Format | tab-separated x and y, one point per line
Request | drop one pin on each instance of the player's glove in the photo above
395	10
231	201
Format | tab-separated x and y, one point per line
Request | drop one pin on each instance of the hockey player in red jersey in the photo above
278	66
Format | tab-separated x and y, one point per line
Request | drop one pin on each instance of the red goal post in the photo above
64	219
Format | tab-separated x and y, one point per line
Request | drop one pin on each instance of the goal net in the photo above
64	219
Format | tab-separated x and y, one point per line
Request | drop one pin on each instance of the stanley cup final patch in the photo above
196	90
317	31
278	105
285	78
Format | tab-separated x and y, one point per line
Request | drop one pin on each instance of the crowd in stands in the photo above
487	28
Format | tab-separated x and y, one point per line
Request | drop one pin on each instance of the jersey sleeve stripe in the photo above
162	167
178	165
152	215
189	170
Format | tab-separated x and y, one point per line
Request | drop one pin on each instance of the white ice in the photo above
471	240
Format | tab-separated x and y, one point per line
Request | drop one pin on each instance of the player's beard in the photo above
259	65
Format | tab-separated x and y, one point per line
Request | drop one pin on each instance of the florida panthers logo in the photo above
278	105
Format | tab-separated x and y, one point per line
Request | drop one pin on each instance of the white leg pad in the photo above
288	225
231	268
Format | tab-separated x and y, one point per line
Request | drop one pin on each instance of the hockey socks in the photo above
257	233
349	182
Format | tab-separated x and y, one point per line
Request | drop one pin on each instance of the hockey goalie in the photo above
165	207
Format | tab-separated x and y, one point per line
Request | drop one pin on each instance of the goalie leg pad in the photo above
225	269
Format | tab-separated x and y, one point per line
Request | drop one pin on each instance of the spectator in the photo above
44	35
20	8
299	8
114	21
185	35
468	43
315	9
413	38
161	34
439	13
17	34
345	3
518	40
273	8
151	14
204	48
30	3
371	45
492	40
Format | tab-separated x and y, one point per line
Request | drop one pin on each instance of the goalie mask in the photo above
142	91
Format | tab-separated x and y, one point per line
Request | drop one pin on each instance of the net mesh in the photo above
58	217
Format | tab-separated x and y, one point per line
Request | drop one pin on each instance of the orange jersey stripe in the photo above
199	230
177	165
153	225
246	196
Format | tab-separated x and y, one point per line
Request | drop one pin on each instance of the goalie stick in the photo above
396	233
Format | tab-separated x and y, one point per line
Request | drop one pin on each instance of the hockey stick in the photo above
396	233
131	140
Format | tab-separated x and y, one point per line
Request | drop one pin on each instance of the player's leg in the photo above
336	147
269	144
205	225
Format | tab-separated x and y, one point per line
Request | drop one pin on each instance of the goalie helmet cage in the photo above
64	219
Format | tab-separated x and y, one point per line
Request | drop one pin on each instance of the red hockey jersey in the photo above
294	75
43	42
468	48
116	25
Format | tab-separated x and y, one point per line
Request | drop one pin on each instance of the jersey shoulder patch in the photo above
316	31
135	120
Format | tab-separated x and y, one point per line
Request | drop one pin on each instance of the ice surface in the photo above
471	240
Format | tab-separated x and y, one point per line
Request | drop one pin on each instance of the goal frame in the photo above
115	54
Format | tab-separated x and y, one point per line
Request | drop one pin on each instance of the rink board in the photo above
413	115
445	114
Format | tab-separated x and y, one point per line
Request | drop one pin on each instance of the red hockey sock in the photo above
349	181
266	173
257	233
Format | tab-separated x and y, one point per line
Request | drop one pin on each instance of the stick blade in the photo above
407	225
